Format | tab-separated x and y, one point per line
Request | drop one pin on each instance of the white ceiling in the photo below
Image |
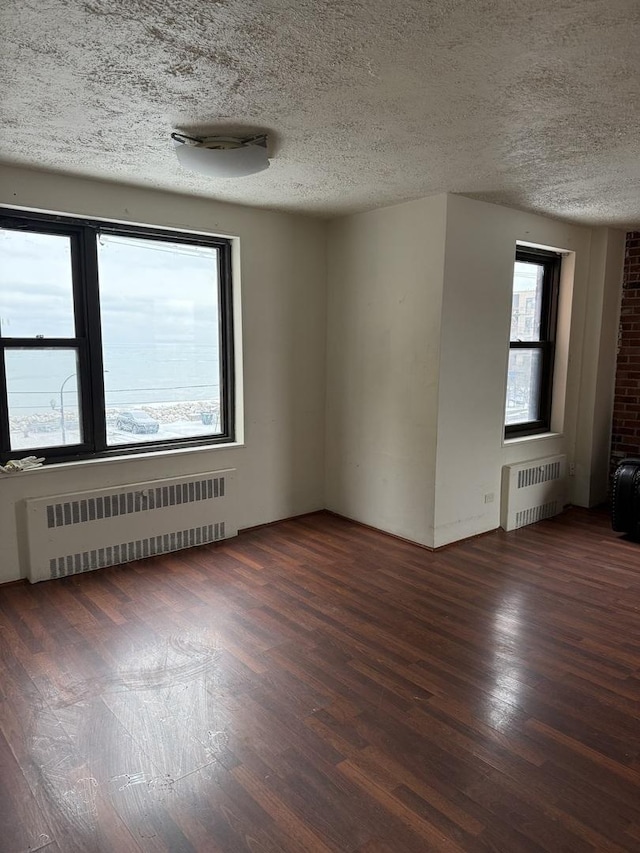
531	103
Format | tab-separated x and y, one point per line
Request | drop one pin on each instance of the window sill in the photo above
119	460
525	439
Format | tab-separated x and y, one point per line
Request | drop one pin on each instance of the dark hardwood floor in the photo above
317	686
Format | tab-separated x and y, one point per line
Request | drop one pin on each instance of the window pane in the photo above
36	293
159	303
526	309
42	389
523	386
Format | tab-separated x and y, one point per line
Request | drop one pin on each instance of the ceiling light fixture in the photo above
222	156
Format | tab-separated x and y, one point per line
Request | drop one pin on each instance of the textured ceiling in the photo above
531	103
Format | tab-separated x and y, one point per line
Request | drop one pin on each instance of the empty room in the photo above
319	437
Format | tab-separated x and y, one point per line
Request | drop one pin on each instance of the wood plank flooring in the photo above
317	686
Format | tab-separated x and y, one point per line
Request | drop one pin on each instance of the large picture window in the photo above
113	338
532	342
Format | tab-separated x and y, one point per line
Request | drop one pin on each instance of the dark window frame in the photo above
83	235
551	263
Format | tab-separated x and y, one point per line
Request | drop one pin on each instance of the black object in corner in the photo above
625	507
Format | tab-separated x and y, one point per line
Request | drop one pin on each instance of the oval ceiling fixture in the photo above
222	156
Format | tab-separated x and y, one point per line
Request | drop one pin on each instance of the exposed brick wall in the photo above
626	411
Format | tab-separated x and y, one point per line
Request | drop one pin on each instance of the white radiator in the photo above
69	534
532	491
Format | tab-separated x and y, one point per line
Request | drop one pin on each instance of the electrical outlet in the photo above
572	469
489	497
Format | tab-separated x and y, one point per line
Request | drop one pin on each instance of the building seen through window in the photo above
532	342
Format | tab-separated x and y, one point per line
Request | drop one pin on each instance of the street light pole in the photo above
62	424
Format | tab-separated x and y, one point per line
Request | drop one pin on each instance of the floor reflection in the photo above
506	645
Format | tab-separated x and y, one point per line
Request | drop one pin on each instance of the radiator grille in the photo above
126	503
539	474
113	555
72	533
536	513
533	490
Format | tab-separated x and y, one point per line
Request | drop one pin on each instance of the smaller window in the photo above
536	278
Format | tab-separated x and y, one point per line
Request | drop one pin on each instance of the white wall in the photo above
283	281
481	243
593	440
417	362
384	305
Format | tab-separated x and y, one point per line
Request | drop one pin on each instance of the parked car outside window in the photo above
137	421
